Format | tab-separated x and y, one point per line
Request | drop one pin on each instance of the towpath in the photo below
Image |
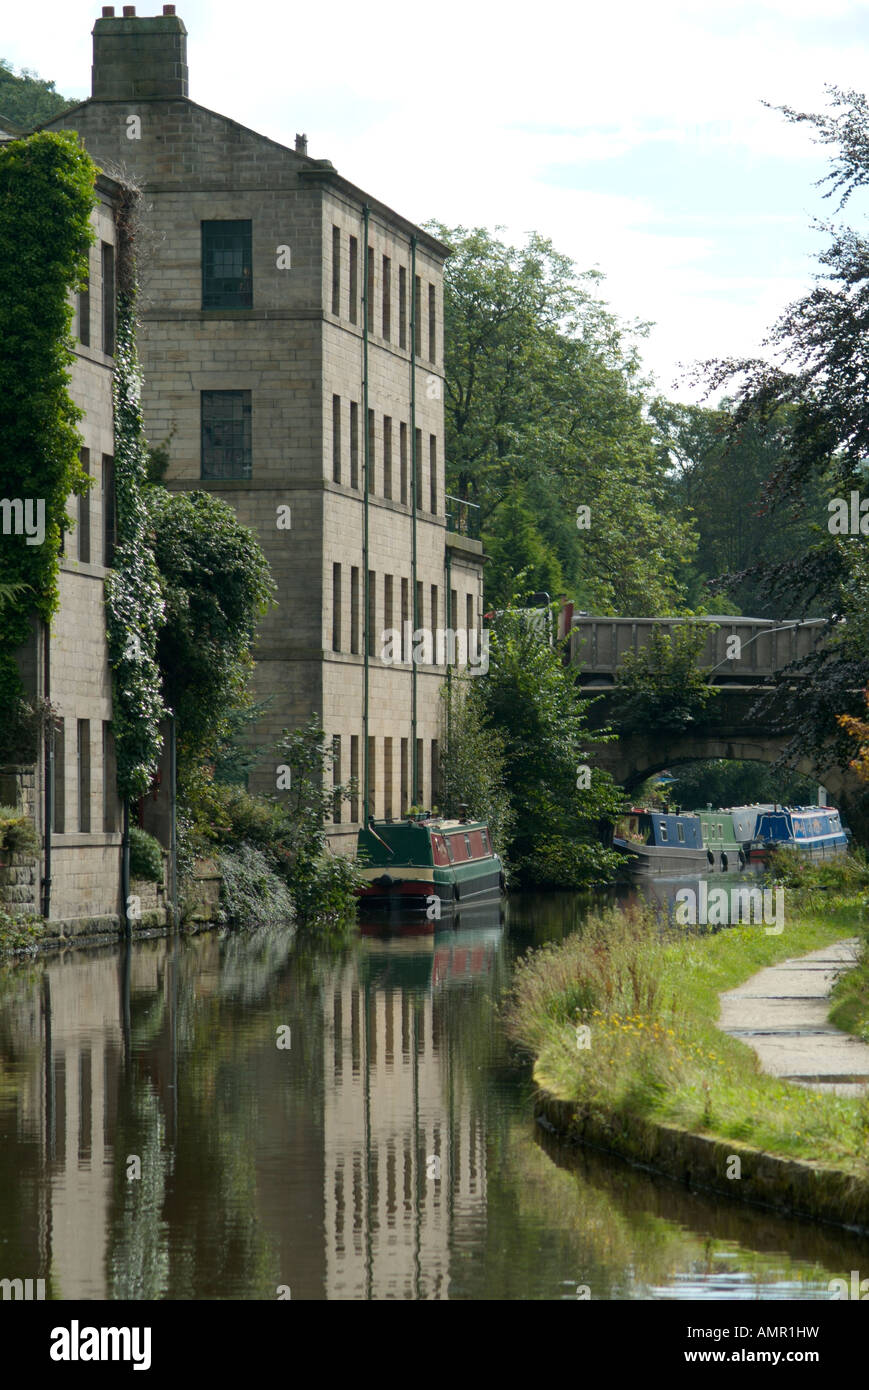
782	1013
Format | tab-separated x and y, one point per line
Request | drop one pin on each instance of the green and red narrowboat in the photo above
408	864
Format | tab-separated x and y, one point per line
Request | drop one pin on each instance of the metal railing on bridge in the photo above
739	651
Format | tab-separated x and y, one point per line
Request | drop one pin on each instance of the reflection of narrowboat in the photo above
813	832
660	841
408	864
443	958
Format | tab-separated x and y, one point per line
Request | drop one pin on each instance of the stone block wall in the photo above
297	349
19	883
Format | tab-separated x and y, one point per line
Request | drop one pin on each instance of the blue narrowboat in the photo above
660	841
815	832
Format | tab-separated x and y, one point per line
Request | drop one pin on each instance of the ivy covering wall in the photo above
46	199
134	605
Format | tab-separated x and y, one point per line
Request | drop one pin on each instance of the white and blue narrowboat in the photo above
815	832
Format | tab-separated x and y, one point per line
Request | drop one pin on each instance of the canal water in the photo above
244	1117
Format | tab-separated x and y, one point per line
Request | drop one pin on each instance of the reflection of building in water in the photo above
396	1116
68	1041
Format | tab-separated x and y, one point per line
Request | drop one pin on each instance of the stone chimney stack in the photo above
301	144
139	58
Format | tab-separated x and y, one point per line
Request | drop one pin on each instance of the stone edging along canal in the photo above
788	1185
793	1186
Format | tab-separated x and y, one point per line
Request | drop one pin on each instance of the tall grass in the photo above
650	1003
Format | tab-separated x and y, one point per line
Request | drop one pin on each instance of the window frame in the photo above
246	401
226	299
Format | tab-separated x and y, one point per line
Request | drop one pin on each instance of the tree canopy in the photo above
814	377
26	99
546	413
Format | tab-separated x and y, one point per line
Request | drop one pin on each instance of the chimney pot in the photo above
108	11
301	144
168	9
129	11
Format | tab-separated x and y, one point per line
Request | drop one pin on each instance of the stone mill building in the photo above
292	346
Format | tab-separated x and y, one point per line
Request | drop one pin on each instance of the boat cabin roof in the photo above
424	841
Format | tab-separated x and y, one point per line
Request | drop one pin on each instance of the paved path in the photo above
782	1013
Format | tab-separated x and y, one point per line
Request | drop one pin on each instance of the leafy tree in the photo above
515	547
533	702
473	771
661	686
816	369
719	474
858	730
216	583
236	755
545	410
28	100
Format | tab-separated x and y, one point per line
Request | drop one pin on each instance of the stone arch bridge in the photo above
744	656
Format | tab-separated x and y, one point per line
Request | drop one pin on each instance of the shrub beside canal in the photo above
621	1018
19	933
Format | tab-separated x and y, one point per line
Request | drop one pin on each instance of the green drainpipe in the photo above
448	610
366	465
414	781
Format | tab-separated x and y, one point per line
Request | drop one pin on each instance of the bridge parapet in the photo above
762	646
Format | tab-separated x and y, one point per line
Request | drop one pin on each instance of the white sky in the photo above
631	134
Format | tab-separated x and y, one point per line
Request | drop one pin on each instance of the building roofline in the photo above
34	130
316	169
11	127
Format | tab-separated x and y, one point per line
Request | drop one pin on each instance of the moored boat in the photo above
727	833
428	863
813	832
660	841
740	835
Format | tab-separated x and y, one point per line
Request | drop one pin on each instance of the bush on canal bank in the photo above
17	832
621	1018
19	933
146	856
252	894
844	875
273	851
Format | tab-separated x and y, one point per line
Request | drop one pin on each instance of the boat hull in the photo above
408	890
815	853
663	859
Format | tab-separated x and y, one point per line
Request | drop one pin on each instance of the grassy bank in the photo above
622	1023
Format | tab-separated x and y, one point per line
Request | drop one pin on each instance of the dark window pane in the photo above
84	313
227	276
84	512
108	268
226	434
108	510
84	775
